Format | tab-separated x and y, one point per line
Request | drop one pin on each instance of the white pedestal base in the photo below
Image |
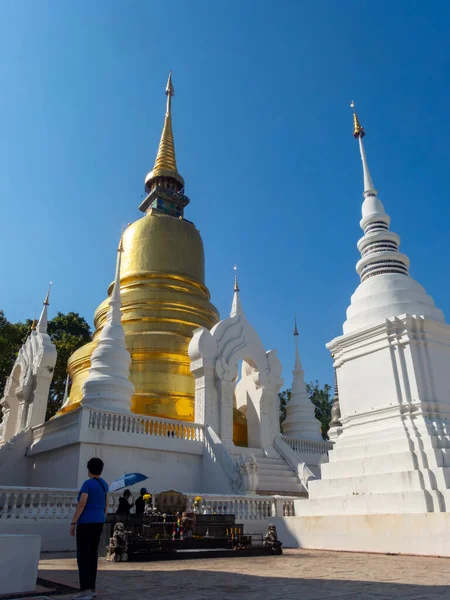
19	563
421	534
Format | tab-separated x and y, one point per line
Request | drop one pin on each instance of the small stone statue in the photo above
271	540
118	545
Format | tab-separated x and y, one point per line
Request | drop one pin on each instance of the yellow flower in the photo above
198	499
147	497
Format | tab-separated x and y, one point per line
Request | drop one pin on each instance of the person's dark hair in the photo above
95	466
143	491
126	493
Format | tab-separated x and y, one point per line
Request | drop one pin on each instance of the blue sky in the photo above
262	127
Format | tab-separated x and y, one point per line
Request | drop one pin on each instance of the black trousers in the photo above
88	539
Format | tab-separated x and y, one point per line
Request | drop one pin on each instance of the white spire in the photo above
114	314
379	246
66	393
107	385
43	319
386	289
300	422
369	188
236	308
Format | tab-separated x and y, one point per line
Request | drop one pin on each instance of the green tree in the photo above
320	397
285	397
67	331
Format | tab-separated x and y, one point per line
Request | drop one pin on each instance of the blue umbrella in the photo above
127	480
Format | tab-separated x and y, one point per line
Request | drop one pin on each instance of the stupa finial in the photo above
236	283
295	326
358	129
47	297
236	308
165	162
43	319
359	133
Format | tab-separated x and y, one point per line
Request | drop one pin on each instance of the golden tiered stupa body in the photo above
163	294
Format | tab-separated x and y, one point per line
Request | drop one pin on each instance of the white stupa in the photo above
389	468
108	385
300	420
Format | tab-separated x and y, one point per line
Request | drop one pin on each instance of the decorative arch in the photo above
215	356
25	397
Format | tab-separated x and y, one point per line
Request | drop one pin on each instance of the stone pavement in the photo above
302	574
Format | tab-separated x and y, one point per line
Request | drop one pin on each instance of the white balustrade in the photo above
36	503
246	508
140	425
22	503
308	446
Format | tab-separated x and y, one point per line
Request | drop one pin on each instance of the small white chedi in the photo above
300	417
107	385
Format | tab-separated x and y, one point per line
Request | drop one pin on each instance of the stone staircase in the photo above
274	475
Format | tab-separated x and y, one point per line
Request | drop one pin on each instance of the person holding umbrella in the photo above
87	523
125	505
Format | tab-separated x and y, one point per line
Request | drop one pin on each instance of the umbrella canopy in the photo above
127	480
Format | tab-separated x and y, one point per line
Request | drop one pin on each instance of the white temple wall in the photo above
57	468
166	470
66	466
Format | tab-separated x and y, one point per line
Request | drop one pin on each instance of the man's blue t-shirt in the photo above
94	511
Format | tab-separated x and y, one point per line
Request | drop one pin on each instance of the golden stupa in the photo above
163	293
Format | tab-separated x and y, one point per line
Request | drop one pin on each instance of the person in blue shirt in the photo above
87	524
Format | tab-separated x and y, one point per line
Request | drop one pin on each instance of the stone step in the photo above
396	482
272	467
413	501
271	461
287	487
297	494
279	483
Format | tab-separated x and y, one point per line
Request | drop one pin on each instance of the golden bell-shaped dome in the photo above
163	296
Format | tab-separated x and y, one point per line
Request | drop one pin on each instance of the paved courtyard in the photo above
302	574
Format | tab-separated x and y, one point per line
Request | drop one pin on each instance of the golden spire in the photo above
165	163
358	130
47	297
33	325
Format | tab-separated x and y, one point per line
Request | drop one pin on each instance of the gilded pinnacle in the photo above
33	325
358	129
165	163
169	87
47	297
